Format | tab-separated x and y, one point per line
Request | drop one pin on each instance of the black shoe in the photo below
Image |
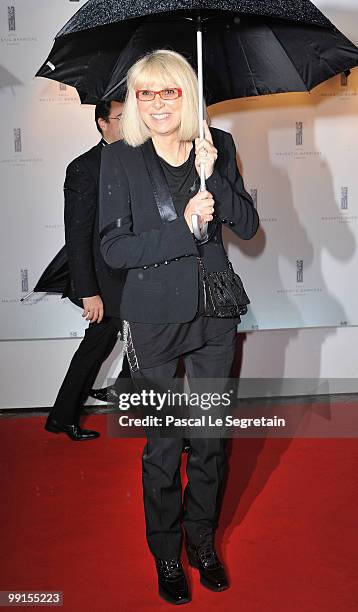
205	559
172	583
75	432
107	394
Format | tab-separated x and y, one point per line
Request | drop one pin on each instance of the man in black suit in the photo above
92	281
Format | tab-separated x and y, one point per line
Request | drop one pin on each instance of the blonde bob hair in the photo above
173	69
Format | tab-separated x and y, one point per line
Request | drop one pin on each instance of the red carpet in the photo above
71	519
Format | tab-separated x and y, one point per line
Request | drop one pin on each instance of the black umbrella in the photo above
55	278
251	47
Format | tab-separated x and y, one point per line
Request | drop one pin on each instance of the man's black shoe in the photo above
107	394
75	432
205	559
172	582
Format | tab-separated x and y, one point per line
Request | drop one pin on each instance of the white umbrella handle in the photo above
200	233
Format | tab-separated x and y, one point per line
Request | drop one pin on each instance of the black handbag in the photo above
224	293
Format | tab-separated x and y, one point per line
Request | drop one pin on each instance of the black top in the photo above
155	344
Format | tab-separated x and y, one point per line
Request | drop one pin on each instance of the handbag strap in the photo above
204	270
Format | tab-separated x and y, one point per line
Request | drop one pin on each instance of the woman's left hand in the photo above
205	152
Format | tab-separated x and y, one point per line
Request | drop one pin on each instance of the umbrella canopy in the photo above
96	13
251	47
55	278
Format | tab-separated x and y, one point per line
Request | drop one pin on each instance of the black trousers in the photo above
96	346
206	465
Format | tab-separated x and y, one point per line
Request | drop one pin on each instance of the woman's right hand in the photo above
201	204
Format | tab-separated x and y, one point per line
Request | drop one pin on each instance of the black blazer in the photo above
154	247
89	274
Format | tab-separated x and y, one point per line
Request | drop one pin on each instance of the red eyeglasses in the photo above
147	95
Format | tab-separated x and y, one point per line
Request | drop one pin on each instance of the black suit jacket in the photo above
89	273
154	247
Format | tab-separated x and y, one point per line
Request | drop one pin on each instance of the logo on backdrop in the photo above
344	79
11	18
25	281
17	140
10	35
343	215
299	133
299	151
299	271
342	87
54	226
19	149
58	93
254	197
344	198
300	288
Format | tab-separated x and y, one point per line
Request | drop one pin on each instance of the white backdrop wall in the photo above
298	154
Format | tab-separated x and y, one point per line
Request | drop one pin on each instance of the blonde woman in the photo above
149	192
